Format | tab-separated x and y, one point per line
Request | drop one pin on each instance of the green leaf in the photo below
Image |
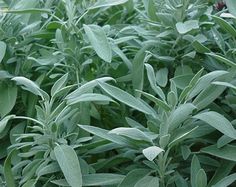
187	26
152	152
132	133
157	101
125	98
87	87
164	140
9	178
225	25
222	59
98	39
121	54
207	96
49	169
3	50
59	84
181	182
179	115
181	134
28	11
107	3
60	182
205	81
133	176
8	96
150	9
195	167
30	183
219	122
162	77
69	164
103	134
226	181
192	83
218	37
89	97
185	151
224	140
30	86
200	48
138	69
182	81
102	179
152	80
201	178
224	84
222	171
231	6
227	152
148	181
4	121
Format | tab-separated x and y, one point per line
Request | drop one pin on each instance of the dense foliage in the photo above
127	93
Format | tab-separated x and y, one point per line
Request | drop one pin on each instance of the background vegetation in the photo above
126	93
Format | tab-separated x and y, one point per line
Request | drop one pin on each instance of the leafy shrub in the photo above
117	93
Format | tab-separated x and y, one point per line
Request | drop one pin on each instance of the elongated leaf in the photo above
8	96
218	39
231	5
150	9
222	59
30	183
227	152
9	178
60	182
224	84
27	11
103	134
162	77
133	176
157	101
107	3
148	181
192	83
200	48
2	50
152	152
187	26
205	81
102	179
222	171
152	80
226	181
119	52
69	164
99	41
225	25
4	121
87	87
30	86
195	167
207	96
125	98
50	168
181	134
201	178
59	84
219	122
180	114
138	69
132	133
89	97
